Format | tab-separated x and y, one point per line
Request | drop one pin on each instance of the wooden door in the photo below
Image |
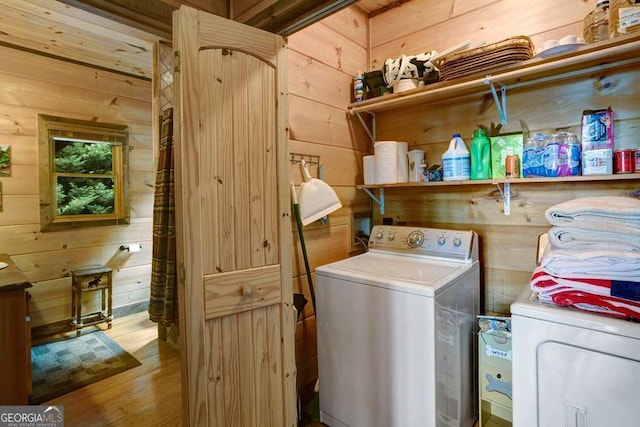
237	319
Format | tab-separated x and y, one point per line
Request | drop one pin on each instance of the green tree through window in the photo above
83	169
84	178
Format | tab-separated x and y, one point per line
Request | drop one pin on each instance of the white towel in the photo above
597	211
580	264
571	237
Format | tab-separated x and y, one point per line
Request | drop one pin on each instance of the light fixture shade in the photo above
316	198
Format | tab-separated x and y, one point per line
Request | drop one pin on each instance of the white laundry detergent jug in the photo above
456	165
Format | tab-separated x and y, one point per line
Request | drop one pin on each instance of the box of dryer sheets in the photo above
501	147
597	142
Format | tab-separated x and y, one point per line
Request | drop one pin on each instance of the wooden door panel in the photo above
241	203
233	211
246	370
241	290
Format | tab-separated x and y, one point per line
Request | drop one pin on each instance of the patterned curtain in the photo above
163	304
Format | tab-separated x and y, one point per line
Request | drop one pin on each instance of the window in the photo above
83	173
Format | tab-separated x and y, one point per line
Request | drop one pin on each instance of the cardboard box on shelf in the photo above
501	147
597	142
597	129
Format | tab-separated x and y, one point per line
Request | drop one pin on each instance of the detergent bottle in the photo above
455	161
480	155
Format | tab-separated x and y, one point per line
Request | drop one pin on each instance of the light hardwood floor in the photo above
147	395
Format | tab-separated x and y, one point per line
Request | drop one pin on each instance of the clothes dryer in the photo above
573	368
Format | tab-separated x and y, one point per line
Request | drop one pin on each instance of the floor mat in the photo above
60	367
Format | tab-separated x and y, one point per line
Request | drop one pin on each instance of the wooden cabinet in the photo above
15	335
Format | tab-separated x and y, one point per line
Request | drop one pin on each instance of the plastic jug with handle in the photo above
480	155
455	161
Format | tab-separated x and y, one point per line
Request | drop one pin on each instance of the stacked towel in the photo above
592	260
596	264
596	221
612	238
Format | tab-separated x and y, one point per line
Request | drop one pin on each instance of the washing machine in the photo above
396	343
573	368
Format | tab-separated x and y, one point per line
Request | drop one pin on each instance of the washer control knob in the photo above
391	236
442	240
379	235
415	239
457	241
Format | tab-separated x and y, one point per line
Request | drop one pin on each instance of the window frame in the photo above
51	128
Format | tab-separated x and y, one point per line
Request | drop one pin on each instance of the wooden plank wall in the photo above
323	59
508	243
32	85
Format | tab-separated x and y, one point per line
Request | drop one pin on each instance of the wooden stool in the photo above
89	280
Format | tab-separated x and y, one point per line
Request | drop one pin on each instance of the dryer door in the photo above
578	387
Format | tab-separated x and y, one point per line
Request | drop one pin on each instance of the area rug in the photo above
60	367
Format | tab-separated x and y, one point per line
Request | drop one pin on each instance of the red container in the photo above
623	161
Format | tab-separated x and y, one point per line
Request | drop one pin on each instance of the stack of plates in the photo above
555	47
485	58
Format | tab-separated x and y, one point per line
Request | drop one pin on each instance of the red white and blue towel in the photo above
592	260
619	298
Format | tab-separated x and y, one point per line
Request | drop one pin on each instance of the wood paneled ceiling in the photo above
118	35
55	29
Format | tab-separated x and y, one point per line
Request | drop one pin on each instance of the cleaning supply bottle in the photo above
480	155
358	87
455	161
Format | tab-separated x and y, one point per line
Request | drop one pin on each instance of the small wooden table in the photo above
90	280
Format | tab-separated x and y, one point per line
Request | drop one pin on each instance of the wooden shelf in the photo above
506	183
586	60
609	54
614	177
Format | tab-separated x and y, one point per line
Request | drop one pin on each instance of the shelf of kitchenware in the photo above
605	55
600	56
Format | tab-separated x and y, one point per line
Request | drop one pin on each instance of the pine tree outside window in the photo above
83	173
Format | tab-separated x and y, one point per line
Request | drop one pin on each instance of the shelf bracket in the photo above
501	104
371	132
506	197
379	201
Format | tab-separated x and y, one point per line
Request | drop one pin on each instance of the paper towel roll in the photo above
403	163
386	162
369	169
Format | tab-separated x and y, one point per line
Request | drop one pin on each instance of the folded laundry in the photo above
595	303
597	264
546	283
599	210
619	298
571	237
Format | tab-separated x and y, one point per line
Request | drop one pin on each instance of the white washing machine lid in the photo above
420	276
528	305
